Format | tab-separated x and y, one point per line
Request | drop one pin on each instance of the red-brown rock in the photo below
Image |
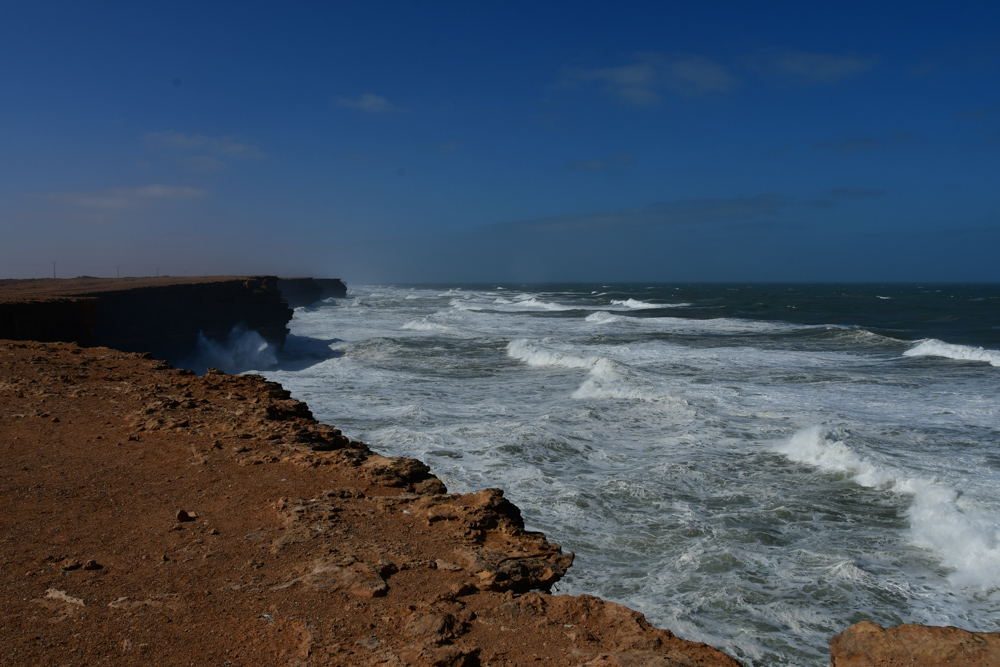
868	644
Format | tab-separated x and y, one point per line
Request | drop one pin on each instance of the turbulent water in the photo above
755	467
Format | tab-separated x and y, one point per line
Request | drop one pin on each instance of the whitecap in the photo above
965	538
635	304
424	325
936	348
533	355
603	317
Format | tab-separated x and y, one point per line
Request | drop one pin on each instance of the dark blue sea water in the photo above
753	466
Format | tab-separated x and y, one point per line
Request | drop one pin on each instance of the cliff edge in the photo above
162	316
155	516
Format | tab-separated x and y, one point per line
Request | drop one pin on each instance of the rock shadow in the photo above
301	352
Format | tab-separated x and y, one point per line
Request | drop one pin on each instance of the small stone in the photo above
92	565
183	515
70	564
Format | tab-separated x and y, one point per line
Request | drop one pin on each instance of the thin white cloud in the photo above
698	75
116	199
224	146
643	83
202	163
369	102
804	67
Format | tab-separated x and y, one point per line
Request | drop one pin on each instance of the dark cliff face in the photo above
166	320
163	319
306	291
49	320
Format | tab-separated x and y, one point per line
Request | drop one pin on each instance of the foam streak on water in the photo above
753	467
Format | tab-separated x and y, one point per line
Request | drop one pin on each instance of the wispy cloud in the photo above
369	102
855	193
608	164
678	212
855	144
224	146
202	163
642	83
804	67
116	199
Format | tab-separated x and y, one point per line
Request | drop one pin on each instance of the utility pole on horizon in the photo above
118	270
53	270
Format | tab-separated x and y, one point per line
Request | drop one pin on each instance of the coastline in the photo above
153	513
214	506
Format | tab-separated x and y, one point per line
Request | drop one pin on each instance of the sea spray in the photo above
243	350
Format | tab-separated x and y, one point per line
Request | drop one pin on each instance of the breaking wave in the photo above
533	355
965	538
424	325
937	348
635	304
603	317
242	350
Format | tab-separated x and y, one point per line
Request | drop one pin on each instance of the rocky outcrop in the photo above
166	518
300	292
868	644
162	316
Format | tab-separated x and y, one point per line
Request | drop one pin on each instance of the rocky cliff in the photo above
307	291
172	519
162	316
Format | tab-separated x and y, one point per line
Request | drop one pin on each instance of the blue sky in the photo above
426	141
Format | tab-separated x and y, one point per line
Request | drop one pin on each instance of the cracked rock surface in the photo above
150	516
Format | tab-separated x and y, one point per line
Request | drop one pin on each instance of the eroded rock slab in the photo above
868	644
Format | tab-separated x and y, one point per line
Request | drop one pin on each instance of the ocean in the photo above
752	466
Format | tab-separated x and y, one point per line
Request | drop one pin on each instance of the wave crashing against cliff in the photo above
242	350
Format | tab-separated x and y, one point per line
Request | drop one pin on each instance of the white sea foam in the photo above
609	379
424	325
534	355
964	537
936	348
603	317
465	304
534	303
635	304
635	442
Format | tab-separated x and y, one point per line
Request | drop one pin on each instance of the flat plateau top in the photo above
45	288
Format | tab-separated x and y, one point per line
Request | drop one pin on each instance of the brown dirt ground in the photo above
148	516
47	288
